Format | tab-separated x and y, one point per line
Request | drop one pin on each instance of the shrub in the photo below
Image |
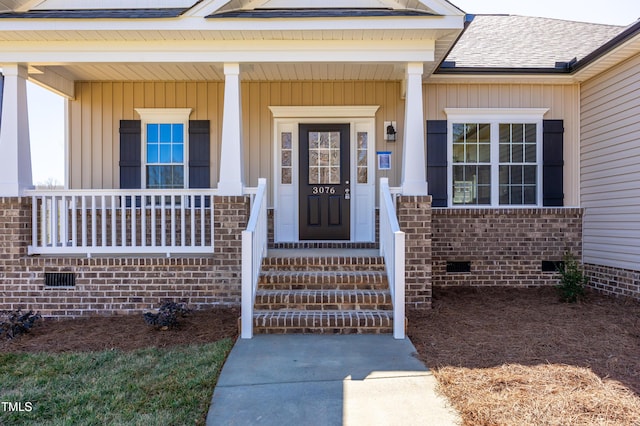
572	280
166	316
15	323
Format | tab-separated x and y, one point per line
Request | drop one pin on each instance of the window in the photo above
495	157
165	155
164	147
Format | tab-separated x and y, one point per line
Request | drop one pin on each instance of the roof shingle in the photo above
509	41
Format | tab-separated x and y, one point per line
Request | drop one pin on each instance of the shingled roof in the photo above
521	42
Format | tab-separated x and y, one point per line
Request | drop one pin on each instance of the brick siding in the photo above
120	284
505	247
614	281
414	217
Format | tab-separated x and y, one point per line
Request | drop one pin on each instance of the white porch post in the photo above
15	160
231	161
414	175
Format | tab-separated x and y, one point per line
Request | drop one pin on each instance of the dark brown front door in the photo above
324	182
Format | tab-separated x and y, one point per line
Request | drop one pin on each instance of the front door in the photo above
325	193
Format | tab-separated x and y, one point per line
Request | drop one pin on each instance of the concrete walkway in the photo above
327	380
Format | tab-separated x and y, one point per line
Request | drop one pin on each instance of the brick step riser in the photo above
323	280
271	305
323	268
371	323
323	264
323	286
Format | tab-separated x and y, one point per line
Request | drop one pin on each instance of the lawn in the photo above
115	370
519	357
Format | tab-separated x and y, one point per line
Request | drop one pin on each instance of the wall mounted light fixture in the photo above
390	131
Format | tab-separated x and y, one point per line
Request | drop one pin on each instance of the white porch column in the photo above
231	161
15	149
414	175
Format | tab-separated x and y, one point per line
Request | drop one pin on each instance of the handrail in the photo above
254	249
392	245
123	221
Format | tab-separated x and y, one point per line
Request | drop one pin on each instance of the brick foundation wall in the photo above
505	247
614	281
414	217
120	284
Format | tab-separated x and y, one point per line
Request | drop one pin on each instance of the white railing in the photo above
254	249
392	249
87	222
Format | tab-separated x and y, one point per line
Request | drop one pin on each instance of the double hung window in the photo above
495	157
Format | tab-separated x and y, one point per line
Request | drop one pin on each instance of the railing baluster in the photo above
173	221
84	221
183	223
163	222
192	222
64	220
123	221
34	221
94	222
134	225
54	221
153	221
74	221
143	221
114	222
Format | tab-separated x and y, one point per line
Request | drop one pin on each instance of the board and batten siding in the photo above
96	112
560	99
610	166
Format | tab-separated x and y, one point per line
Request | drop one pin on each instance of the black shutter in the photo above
552	163
437	161
131	157
130	154
199	154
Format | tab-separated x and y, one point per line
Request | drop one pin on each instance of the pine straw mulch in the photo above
124	332
520	357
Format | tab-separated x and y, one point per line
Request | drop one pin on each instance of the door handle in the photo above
347	194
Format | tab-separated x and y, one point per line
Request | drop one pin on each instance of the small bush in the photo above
15	323
572	280
166	316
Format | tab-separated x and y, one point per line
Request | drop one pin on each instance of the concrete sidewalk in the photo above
327	380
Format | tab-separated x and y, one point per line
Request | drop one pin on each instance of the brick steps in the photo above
323	322
323	280
336	294
323	300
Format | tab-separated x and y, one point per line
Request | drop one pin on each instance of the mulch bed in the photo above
513	357
124	332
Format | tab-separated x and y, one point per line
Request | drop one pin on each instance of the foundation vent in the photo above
59	279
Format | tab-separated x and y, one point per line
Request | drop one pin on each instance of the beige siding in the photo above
562	101
99	107
610	166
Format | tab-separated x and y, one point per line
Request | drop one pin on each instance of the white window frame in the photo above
495	117
164	116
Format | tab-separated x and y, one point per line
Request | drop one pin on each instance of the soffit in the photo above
214	72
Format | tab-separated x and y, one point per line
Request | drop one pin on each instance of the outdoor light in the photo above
390	131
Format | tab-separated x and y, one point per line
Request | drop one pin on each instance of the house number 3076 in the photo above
323	190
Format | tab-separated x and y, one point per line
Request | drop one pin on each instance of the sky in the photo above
46	110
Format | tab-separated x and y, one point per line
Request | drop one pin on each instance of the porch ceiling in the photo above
214	72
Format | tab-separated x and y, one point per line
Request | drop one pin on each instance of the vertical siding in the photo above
561	100
99	107
610	166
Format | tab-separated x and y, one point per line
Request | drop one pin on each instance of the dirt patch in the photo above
125	332
506	356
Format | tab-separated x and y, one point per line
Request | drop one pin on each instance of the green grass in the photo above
149	386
